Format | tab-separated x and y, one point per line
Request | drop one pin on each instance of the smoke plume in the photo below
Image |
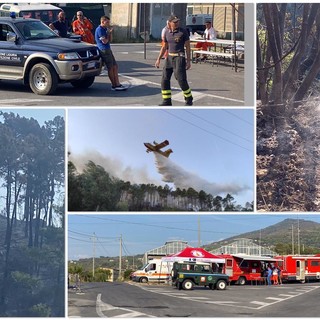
113	166
172	173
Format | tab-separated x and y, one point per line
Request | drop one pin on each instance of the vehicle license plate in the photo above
91	65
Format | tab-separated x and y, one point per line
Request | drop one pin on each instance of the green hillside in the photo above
281	234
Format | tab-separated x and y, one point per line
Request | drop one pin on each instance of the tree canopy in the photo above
32	182
94	189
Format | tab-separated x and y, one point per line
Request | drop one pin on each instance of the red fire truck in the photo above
242	268
300	267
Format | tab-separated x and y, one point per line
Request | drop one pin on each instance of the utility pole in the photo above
298	235
260	244
93	252
292	239
120	259
199	232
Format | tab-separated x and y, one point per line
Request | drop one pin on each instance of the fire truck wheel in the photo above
144	280
187	285
242	281
221	285
318	276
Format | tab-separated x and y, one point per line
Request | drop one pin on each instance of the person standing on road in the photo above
279	276
269	275
178	61
83	27
275	275
61	26
103	37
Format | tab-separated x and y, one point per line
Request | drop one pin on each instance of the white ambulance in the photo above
155	270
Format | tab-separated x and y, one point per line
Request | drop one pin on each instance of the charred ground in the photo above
288	140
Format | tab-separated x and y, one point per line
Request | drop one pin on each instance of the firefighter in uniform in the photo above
177	62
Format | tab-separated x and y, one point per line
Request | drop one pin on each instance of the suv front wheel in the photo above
43	79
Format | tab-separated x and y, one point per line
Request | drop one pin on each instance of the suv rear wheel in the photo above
221	285
43	79
187	285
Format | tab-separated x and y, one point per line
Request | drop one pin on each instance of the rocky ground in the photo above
288	164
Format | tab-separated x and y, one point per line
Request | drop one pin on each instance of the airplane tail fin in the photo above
167	152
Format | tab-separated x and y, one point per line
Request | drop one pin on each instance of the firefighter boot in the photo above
166	102
189	101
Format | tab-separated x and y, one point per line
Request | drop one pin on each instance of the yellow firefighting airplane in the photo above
156	147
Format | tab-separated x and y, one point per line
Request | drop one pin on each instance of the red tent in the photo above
194	254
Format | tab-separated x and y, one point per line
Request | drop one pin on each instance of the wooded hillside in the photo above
32	217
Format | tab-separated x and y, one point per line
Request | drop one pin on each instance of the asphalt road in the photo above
211	85
144	300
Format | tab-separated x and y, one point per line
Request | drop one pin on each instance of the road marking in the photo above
261	303
198	298
102	307
134	82
302	290
138	52
222	302
22	101
288	295
273	298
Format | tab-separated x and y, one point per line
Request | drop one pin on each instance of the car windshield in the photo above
31	30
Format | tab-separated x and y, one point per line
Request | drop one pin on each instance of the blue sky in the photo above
141	233
216	145
40	114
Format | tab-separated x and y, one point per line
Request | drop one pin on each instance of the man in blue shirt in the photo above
103	37
269	275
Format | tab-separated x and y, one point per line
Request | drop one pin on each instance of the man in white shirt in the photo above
209	34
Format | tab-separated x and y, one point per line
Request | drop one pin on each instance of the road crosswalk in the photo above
254	304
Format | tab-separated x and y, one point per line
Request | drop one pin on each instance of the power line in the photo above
88	235
236	116
203	119
207	131
159	226
87	241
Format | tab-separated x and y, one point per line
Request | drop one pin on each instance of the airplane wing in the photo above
161	145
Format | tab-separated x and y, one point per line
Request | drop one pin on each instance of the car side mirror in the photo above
11	36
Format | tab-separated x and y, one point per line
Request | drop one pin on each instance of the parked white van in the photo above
47	13
154	270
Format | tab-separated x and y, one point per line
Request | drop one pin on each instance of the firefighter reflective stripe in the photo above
187	93
166	94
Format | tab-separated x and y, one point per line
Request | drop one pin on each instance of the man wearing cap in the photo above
178	61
